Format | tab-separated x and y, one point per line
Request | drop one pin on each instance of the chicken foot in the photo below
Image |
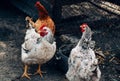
39	71
25	74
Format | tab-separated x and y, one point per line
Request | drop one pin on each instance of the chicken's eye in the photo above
44	29
83	27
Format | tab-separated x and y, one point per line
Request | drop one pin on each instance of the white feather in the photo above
82	61
36	49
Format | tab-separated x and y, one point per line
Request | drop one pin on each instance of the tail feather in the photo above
41	9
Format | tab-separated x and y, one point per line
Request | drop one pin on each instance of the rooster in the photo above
82	62
44	18
38	48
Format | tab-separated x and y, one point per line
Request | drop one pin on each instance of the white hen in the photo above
83	64
38	48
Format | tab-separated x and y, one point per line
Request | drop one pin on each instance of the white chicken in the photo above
38	48
82	62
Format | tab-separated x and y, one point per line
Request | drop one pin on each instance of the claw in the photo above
39	72
25	74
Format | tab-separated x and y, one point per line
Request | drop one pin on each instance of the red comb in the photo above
84	24
37	3
41	27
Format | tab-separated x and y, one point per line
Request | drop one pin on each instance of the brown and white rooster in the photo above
44	18
82	62
38	48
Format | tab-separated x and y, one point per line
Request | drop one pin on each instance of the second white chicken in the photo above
82	62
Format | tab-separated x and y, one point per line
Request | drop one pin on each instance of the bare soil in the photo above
105	25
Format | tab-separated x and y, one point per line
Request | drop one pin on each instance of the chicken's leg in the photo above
25	74
39	71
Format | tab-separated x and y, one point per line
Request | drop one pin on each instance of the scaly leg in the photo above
39	71
25	74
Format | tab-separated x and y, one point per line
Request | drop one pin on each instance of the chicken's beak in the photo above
82	29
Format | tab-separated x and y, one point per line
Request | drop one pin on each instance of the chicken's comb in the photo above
41	27
37	3
84	25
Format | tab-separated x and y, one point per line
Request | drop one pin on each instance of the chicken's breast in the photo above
40	53
82	63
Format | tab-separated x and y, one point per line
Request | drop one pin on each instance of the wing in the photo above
54	47
74	57
31	39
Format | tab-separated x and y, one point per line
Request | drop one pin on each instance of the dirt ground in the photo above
106	28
